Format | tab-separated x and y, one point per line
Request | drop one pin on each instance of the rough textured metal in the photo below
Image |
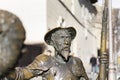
12	35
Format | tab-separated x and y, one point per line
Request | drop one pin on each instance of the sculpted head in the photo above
60	39
12	36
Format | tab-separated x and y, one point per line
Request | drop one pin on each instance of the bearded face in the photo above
61	40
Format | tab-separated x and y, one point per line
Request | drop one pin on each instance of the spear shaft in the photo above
103	53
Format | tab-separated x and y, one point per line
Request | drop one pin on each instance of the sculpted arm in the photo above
37	67
81	70
84	74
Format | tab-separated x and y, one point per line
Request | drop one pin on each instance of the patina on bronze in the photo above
61	66
12	35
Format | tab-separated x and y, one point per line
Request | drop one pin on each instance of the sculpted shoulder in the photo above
43	57
42	62
76	60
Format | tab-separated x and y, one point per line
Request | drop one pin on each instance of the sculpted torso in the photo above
58	70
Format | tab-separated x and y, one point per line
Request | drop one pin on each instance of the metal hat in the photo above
48	35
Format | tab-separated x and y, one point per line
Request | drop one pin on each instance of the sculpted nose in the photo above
66	42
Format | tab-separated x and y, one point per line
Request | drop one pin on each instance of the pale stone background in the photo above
33	15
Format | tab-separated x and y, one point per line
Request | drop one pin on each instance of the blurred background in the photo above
40	16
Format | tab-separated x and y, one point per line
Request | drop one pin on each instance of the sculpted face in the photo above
61	40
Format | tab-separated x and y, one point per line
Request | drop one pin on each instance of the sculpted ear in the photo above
52	39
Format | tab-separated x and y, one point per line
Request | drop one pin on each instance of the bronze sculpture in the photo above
61	66
12	35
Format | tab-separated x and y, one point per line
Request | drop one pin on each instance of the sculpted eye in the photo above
62	36
67	36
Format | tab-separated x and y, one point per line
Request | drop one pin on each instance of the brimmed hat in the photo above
48	35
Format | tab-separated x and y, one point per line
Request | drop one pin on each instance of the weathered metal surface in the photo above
12	35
